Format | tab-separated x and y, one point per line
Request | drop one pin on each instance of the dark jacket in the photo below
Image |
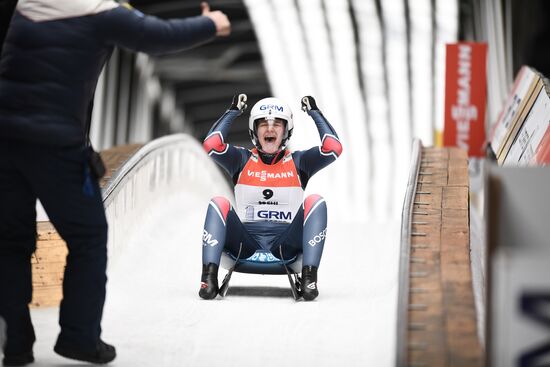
49	69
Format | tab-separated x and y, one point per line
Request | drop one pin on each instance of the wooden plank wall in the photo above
442	317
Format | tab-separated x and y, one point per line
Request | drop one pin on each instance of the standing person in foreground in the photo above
269	180
52	57
2	333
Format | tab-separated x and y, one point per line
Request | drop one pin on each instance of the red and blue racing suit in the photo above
270	212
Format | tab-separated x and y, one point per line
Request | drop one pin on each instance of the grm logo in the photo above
272	214
271	106
207	239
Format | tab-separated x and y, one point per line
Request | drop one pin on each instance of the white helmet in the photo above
270	108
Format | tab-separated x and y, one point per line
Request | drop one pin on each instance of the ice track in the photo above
155	318
153	313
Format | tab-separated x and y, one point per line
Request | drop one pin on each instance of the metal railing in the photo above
403	295
164	168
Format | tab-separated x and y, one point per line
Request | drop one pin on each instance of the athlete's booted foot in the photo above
209	281
309	283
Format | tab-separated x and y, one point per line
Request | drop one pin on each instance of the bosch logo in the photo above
273	214
318	238
271	107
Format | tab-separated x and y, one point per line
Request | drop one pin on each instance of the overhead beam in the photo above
197	72
211	111
219	92
213	51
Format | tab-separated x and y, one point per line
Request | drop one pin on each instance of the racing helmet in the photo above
270	108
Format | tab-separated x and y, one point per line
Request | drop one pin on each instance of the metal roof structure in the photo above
206	78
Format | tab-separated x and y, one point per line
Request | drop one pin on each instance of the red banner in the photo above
465	97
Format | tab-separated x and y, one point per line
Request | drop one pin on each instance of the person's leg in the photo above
72	199
3	336
222	230
289	243
17	243
315	229
214	231
306	234
313	240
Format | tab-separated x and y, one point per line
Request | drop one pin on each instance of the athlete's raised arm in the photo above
231	158
314	159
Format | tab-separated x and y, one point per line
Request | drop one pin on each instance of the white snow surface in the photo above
154	316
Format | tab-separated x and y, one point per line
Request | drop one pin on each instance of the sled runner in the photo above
263	262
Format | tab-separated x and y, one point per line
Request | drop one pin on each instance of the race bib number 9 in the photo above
278	204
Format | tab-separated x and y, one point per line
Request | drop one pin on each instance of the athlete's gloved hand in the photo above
308	104
239	103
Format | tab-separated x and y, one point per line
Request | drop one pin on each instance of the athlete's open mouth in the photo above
270	139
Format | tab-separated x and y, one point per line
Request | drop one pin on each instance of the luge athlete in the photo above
270	213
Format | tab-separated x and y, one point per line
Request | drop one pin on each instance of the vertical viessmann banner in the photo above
465	97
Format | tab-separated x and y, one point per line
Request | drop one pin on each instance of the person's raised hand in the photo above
308	104
239	102
223	26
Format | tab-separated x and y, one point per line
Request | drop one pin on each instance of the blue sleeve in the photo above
131	29
232	159
308	162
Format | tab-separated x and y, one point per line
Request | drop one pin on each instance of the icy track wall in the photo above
405	255
162	169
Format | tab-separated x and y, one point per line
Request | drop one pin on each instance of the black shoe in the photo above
18	359
309	283
209	281
103	352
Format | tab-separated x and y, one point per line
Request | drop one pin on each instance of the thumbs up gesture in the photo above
223	26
